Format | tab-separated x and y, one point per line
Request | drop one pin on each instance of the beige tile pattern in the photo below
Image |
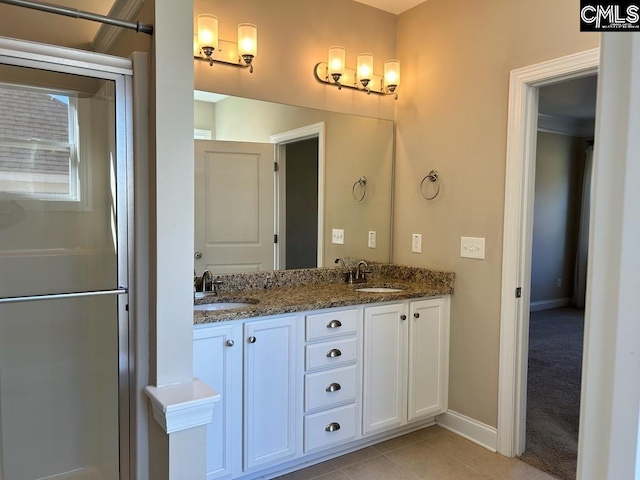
432	453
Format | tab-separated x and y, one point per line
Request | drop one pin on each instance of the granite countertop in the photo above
273	293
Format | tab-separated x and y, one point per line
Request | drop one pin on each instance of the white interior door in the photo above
234	195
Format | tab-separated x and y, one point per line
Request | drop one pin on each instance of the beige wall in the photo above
293	36
204	116
452	116
558	194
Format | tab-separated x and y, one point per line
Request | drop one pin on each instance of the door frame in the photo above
518	234
316	130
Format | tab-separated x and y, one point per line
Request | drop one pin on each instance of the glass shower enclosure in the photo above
64	237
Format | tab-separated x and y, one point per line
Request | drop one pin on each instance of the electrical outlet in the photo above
472	247
337	236
416	243
372	239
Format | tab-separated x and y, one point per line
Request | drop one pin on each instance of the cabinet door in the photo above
385	357
217	361
428	357
271	391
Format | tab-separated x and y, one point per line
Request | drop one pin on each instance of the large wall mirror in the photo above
284	187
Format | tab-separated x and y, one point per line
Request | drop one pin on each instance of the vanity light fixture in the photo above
363	78
239	54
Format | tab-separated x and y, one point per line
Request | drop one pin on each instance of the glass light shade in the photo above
196	46
391	73
336	60
208	31
365	68
247	39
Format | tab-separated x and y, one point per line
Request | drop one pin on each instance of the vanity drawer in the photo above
324	389
329	427
334	353
324	325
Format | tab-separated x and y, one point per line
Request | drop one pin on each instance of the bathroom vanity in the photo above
312	367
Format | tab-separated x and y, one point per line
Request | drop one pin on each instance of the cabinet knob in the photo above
252	339
334	352
416	315
230	343
403	317
334	387
334	324
332	427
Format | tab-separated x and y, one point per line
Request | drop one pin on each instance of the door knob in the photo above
198	255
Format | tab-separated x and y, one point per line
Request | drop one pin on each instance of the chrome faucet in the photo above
348	272
357	275
361	275
206	274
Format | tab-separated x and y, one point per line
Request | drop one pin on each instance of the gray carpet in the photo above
553	393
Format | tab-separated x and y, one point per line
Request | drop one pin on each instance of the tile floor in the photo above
432	453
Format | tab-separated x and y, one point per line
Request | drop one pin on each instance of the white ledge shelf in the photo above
182	406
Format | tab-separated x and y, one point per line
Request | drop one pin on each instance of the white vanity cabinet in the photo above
331	386
262	355
217	360
305	387
405	363
271	412
428	382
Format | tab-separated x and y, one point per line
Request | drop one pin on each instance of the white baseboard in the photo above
471	429
549	304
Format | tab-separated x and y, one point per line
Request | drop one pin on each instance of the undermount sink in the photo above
379	289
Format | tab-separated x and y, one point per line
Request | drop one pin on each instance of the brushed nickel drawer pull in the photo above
334	324
334	352
332	427
334	387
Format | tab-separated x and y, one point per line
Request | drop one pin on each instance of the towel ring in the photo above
363	183
433	177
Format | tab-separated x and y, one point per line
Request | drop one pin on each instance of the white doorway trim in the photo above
517	237
316	130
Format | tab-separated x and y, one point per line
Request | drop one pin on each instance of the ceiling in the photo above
393	6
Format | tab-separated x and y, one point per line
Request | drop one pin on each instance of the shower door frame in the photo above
119	70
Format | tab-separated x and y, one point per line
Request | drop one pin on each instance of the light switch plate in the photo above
416	243
372	239
472	247
337	236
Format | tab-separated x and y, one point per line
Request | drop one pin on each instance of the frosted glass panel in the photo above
57	183
59	389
